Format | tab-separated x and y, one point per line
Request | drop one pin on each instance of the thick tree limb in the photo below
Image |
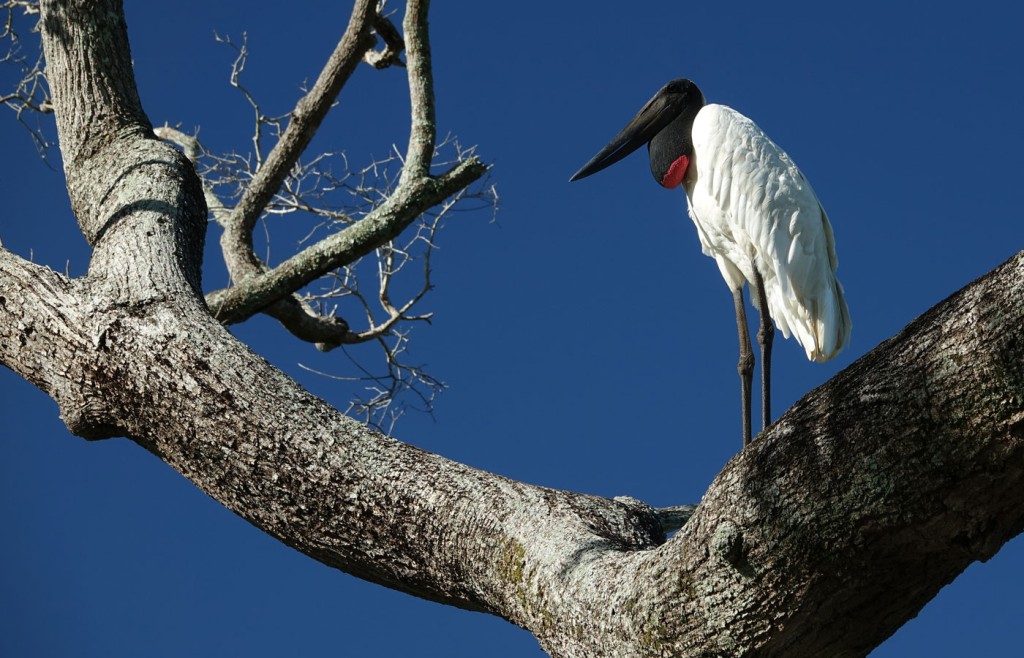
820	538
37	304
868	496
121	181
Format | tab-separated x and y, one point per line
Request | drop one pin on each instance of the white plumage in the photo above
753	208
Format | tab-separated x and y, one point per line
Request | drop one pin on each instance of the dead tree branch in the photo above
240	189
30	96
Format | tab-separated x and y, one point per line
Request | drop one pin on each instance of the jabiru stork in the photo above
756	215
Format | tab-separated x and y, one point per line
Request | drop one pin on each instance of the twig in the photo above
31	95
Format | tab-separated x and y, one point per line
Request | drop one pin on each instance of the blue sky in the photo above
587	343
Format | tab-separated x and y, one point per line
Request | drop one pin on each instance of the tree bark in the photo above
821	538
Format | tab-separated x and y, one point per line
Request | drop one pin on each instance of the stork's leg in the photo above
765	335
746	364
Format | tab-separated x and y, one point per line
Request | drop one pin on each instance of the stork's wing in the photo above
754	208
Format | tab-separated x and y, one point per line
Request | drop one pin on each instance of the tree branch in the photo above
241	301
36	305
256	287
118	174
298	316
31	94
422	131
306	118
821	538
236	242
865	498
88	107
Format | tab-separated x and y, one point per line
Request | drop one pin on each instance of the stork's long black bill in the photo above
666	105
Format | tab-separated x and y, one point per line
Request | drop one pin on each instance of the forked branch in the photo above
284	183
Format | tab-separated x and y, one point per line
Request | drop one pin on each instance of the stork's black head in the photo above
664	124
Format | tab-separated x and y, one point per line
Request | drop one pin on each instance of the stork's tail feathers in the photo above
831	326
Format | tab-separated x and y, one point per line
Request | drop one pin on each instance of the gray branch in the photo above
260	287
422	132
235	304
307	116
257	287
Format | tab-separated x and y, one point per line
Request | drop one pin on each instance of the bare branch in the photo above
293	312
382	405
422	132
309	112
252	295
382	213
268	175
260	120
297	312
31	95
